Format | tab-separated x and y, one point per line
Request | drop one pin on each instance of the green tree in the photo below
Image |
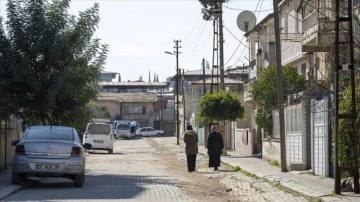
10	72
212	3
55	62
346	145
264	92
220	106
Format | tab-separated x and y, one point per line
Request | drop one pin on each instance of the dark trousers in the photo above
214	160
191	162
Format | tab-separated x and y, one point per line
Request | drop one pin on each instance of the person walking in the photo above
191	147
215	145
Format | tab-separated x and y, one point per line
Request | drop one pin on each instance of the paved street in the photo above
128	174
153	169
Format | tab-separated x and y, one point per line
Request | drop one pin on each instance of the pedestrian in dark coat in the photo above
191	148
215	145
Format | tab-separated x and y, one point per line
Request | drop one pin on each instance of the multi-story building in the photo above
307	44
148	103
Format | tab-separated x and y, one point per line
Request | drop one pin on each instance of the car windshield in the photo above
99	129
49	134
122	127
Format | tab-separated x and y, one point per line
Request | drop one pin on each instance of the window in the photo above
286	27
134	108
297	23
303	69
99	129
50	134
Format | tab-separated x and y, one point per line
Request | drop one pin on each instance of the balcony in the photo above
319	33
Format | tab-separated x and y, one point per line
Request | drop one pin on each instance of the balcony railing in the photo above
319	32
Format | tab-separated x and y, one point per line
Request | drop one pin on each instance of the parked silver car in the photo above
49	151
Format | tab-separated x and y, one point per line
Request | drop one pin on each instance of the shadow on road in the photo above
96	187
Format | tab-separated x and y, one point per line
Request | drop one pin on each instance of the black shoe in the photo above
216	168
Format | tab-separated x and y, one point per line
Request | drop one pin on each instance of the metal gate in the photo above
294	135
319	137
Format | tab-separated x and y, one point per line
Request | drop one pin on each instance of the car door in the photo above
151	132
143	132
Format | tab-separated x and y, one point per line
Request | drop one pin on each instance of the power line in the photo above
239	9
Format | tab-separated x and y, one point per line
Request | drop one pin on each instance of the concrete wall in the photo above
112	106
271	150
168	127
6	149
201	134
243	142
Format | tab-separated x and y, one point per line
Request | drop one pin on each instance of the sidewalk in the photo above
318	187
6	188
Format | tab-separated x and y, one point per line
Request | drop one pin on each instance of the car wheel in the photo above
111	151
15	178
158	134
79	180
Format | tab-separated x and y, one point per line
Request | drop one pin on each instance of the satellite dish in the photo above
246	20
296	5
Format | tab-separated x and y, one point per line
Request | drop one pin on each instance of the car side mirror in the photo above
15	142
87	146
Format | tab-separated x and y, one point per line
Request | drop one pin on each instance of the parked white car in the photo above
149	131
100	136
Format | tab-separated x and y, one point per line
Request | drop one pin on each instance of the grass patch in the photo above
274	163
236	168
294	193
244	172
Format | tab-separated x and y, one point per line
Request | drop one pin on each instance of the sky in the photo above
139	32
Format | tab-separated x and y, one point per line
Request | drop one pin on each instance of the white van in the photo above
122	130
100	136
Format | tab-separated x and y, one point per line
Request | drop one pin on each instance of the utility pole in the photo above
344	18
221	46
176	98
183	98
204	85
215	14
177	90
280	87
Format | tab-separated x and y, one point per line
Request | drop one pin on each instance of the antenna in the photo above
246	21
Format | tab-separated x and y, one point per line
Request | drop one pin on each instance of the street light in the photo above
177	90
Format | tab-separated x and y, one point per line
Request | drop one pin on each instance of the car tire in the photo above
111	151
158	134
79	179
15	178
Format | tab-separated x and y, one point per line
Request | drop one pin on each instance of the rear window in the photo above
123	127
100	129
50	134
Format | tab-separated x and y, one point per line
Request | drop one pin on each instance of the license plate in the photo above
98	141
47	166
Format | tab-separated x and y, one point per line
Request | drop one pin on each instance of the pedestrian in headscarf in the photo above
191	148
215	145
